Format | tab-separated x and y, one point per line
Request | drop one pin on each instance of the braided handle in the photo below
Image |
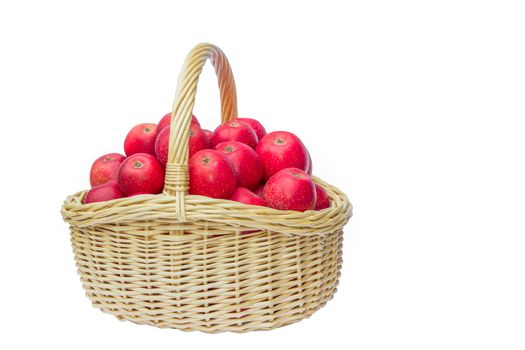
177	176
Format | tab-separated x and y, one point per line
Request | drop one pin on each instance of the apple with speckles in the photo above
290	189
141	173
323	201
234	131
212	174
141	139
245	161
279	150
105	192
166	120
105	169
244	195
198	140
259	129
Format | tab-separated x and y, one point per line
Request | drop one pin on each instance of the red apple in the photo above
105	192
259	129
105	168
310	165
280	150
141	173
212	174
245	161
208	133
244	195
165	121
290	189
141	139
323	201
198	141
234	131
259	190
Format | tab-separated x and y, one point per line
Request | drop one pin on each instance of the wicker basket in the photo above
196	263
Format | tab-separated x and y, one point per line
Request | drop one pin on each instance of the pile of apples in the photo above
237	161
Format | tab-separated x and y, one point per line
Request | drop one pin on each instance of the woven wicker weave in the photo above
196	263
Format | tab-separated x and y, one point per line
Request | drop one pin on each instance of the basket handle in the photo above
176	182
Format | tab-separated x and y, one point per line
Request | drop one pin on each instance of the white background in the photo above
414	108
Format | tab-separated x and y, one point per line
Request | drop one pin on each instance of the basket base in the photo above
235	283
245	324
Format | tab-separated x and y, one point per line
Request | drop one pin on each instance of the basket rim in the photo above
161	207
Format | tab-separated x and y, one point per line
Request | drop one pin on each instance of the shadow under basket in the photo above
196	263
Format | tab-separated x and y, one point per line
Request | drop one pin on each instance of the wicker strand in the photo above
176	181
